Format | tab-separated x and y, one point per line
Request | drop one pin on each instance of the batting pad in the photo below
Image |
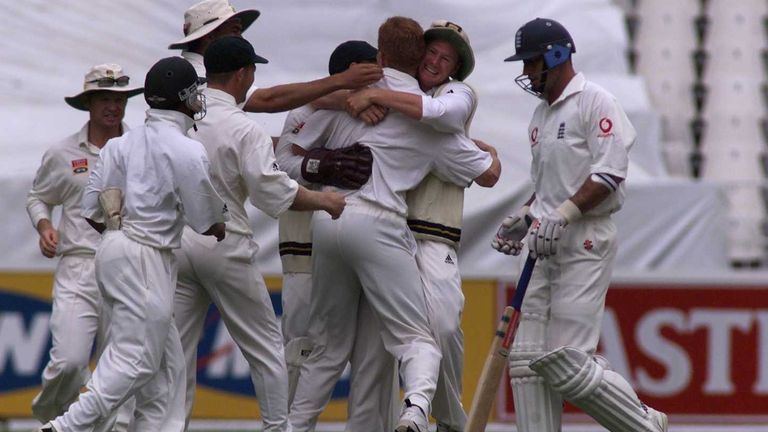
602	393
537	407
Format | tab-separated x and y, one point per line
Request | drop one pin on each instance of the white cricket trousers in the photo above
373	402
226	274
79	316
143	356
439	267
563	306
76	320
368	249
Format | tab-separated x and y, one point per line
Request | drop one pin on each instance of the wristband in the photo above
570	211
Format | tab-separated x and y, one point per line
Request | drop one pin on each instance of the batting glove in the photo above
509	237
545	232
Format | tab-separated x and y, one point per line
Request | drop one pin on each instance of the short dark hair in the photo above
401	43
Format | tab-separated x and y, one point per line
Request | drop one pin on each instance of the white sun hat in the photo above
207	16
103	77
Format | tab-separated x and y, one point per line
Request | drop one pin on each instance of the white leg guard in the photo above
602	393
537	407
296	352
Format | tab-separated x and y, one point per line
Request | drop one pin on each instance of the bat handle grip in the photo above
522	284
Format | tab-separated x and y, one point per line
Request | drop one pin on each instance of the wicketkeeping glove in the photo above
545	232
346	168
509	237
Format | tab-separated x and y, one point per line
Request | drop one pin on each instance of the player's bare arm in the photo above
332	101
289	96
491	176
331	202
49	238
409	104
593	192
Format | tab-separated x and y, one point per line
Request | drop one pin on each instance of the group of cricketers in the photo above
367	180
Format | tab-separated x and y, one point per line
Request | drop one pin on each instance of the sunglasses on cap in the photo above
111	82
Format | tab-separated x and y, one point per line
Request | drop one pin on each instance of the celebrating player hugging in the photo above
381	147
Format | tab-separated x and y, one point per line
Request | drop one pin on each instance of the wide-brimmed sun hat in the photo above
207	16
457	37
103	77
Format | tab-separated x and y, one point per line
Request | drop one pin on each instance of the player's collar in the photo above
575	85
220	95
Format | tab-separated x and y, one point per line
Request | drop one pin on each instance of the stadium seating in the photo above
705	65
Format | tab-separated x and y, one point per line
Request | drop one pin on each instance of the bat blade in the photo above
490	377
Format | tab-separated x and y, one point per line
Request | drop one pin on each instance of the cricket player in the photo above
79	315
580	139
209	20
295	231
373	406
243	167
145	186
435	207
370	248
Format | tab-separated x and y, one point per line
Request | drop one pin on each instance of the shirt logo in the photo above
79	166
297	129
275	166
561	131
448	260
588	244
534	136
606	125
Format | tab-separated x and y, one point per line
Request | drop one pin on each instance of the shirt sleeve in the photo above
460	161
313	132
269	189
202	206
610	135
289	162
89	203
46	190
450	111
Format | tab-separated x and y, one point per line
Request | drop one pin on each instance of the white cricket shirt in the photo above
289	162
60	180
243	163
583	132
451	110
164	178
404	150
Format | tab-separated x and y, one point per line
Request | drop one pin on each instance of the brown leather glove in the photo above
346	168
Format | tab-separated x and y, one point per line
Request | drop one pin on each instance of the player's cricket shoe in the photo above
412	419
48	427
658	419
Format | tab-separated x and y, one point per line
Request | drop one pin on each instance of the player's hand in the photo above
510	235
359	101
359	75
545	234
217	230
334	204
484	146
373	114
49	238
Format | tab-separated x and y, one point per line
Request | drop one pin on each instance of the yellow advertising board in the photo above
224	387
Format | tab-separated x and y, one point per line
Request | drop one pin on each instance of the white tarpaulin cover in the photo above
46	47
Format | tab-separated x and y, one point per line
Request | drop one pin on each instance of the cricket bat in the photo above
490	377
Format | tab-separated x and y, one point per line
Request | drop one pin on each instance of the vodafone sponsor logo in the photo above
697	352
606	127
534	136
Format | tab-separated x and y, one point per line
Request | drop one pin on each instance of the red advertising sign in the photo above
698	353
